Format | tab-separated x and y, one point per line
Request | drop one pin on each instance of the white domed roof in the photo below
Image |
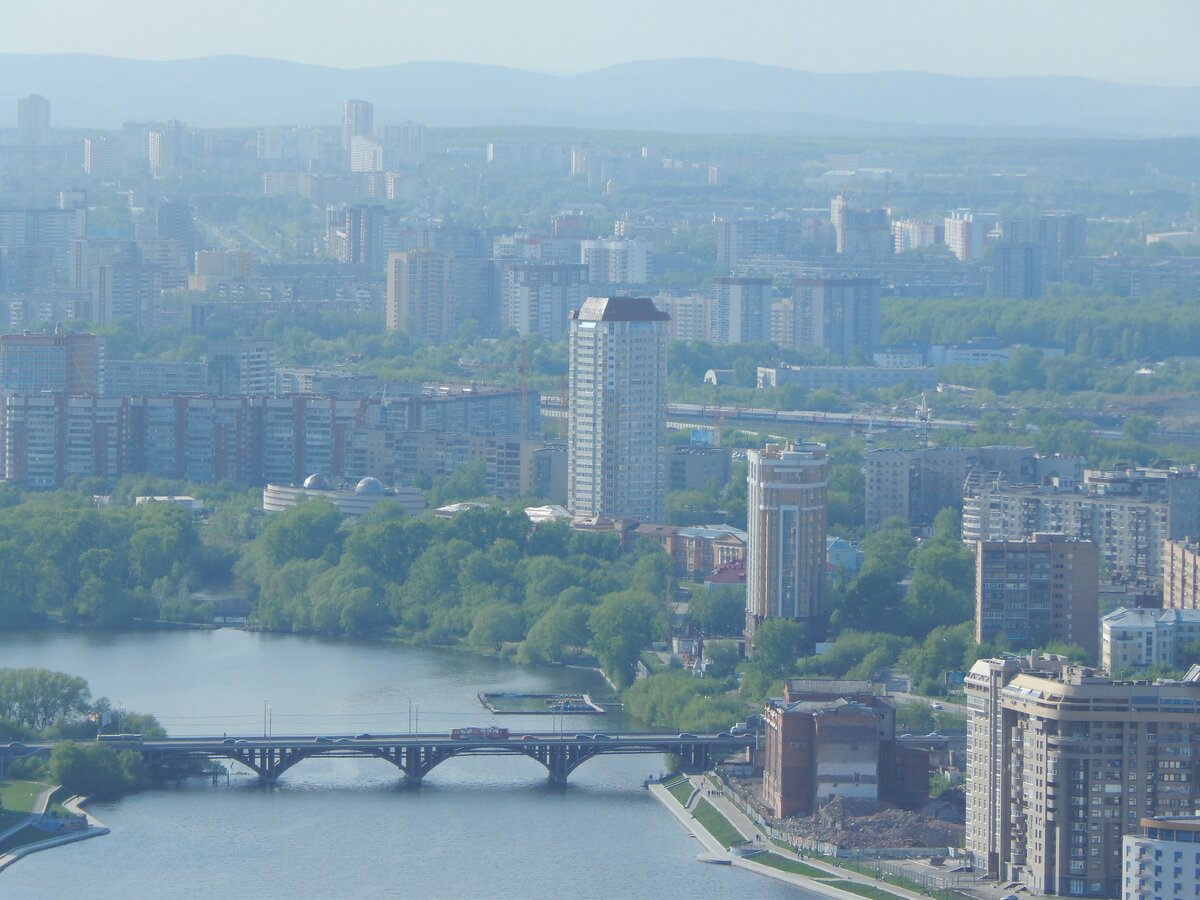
316	482
369	485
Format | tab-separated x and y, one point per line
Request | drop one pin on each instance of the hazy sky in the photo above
1151	41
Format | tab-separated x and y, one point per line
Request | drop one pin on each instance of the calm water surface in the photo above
477	827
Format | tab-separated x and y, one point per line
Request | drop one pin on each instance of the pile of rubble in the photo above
859	824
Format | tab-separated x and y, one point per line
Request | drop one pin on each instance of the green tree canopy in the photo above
38	698
777	645
621	626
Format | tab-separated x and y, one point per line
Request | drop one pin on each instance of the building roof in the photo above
728	573
619	309
714	532
1147	617
538	514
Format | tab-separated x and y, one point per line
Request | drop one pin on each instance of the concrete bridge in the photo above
414	754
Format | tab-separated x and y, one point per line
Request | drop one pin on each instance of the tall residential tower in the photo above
785	565
616	403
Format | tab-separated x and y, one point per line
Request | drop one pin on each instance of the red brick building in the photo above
827	739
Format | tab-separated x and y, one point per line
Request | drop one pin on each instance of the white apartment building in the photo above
1163	863
740	311
616	407
1145	638
617	261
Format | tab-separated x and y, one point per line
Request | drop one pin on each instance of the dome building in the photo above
351	502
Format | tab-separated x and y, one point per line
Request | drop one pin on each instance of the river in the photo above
476	827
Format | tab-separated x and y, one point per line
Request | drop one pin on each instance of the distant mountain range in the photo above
667	95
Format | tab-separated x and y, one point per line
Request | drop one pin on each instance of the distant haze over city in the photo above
1112	40
673	95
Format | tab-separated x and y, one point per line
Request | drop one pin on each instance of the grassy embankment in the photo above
863	890
716	824
723	830
681	791
784	864
17	798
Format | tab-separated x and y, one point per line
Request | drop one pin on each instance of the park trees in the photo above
777	645
38	698
94	769
621	626
560	632
718	611
309	530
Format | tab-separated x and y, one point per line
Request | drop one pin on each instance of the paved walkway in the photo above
43	800
95	828
751	832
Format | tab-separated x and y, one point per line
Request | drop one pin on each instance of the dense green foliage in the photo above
67	561
40	703
485	577
941	585
1097	329
679	700
718	611
38	698
94	769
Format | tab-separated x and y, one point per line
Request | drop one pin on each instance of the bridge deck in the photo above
415	754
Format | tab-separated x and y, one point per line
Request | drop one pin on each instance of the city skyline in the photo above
1089	40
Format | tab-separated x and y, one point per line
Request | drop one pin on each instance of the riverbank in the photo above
73	805
772	862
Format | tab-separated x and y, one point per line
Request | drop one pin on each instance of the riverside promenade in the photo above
94	828
701	788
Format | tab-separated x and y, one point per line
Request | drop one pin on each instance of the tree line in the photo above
39	704
486	578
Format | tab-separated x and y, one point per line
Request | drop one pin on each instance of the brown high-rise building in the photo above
1062	763
786	503
58	363
420	294
830	739
1031	592
1181	574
